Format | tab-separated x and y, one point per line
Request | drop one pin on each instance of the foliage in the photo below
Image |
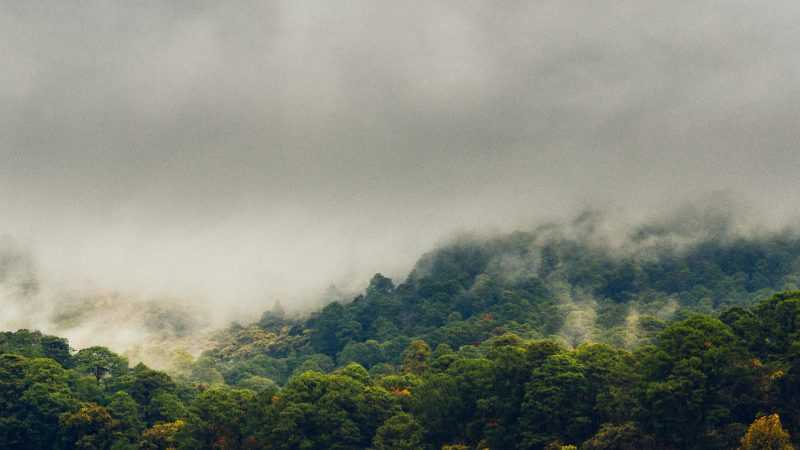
766	433
399	432
696	386
99	362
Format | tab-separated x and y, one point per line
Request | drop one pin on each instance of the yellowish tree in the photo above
161	436
766	433
416	357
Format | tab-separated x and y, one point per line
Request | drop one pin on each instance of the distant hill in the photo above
574	282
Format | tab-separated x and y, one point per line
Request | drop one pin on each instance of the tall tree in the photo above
766	433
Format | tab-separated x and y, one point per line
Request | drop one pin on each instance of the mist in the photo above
229	155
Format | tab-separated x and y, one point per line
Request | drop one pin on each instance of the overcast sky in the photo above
248	150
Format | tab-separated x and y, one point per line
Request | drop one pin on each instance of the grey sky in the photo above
244	150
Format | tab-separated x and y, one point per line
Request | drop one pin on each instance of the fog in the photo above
229	154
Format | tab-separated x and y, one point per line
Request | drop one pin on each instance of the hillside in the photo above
566	335
698	386
571	283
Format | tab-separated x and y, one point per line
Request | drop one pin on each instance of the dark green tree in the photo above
399	432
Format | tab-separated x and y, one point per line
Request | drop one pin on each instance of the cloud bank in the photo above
237	152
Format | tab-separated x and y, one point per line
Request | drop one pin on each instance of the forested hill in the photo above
572	283
562	337
703	383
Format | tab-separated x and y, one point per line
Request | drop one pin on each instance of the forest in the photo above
555	338
394	225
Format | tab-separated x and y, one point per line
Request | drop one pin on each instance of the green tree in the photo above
128	424
164	407
144	383
399	432
257	383
58	349
333	328
40	408
699	379
336	410
46	396
448	404
216	419
365	353
557	403
99	362
625	436
12	385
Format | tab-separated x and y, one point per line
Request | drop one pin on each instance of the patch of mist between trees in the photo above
143	329
158	330
580	315
632	331
144	326
716	218
579	309
578	306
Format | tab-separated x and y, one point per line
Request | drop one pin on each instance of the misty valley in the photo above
683	334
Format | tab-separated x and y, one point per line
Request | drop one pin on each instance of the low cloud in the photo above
233	154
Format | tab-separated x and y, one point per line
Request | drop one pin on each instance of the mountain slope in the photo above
572	283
